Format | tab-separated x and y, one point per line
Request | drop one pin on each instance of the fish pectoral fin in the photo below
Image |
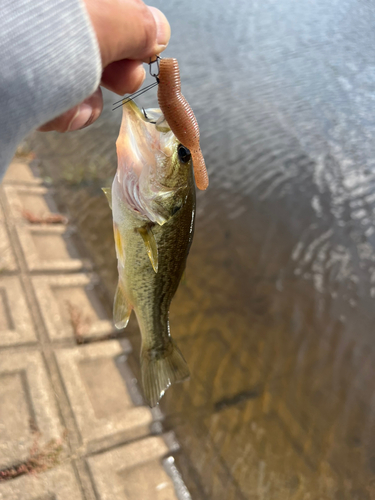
121	309
108	192
160	369
120	250
150	244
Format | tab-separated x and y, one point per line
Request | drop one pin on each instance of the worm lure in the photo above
180	116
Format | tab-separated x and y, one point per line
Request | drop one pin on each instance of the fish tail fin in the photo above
160	369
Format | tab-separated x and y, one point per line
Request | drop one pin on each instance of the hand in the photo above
128	32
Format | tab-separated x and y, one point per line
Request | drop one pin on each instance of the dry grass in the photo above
80	323
40	459
81	326
44	219
76	174
24	153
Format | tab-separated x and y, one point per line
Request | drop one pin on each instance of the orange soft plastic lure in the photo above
180	116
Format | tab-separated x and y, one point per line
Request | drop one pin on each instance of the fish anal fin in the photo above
160	369
121	308
150	244
108	193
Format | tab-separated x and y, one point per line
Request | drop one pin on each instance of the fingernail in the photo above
82	118
163	32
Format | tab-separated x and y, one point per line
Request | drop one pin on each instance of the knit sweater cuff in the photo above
50	61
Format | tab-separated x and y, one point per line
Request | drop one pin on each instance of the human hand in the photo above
128	32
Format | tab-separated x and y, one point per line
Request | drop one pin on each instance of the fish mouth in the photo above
144	135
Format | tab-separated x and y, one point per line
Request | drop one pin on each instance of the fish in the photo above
153	209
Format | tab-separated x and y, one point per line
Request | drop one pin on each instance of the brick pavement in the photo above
67	418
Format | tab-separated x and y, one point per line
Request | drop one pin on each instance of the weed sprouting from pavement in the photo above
79	322
41	458
44	219
82	173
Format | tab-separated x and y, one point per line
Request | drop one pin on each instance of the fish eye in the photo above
183	154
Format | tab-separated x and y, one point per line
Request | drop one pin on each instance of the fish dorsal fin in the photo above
121	309
108	192
150	244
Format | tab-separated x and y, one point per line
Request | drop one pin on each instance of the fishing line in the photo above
135	93
145	89
134	96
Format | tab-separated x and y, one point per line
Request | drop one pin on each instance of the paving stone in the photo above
50	248
71	300
33	200
19	172
56	484
98	395
16	326
27	407
133	472
7	260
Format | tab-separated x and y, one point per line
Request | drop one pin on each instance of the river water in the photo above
277	315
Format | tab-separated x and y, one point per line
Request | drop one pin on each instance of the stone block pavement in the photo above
69	427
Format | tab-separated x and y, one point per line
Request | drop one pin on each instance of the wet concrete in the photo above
277	316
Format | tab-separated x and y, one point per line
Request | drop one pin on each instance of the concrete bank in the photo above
71	426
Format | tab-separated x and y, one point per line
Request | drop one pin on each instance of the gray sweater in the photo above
49	62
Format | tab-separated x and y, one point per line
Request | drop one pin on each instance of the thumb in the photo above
128	29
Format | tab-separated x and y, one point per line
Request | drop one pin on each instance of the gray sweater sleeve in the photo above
49	62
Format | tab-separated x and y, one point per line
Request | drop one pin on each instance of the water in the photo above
276	319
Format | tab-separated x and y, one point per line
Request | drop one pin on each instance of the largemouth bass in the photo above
153	207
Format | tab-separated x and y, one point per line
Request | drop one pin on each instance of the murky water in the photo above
277	318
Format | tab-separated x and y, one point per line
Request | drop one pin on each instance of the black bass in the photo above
153	207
